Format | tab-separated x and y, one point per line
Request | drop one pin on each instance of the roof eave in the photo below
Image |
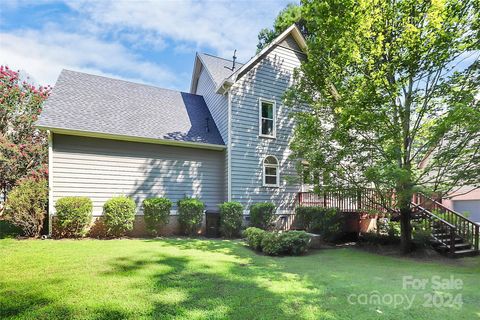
102	135
224	86
297	35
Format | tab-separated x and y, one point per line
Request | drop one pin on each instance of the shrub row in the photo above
277	243
27	209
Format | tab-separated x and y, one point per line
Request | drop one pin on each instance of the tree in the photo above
23	148
390	84
288	16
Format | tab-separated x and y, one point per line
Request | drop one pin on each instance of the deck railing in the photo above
363	201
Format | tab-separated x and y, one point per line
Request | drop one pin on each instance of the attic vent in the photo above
233	62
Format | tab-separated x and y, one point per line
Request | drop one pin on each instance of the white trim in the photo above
101	135
277	167
229	147
274	103
50	180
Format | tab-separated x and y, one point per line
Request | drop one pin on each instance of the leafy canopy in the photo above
394	91
23	148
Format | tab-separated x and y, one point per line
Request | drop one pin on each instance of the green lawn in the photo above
202	279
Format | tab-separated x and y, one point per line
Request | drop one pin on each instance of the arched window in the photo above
271	175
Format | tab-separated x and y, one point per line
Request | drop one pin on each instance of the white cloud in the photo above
220	25
43	54
125	39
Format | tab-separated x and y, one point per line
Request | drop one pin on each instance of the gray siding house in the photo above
226	140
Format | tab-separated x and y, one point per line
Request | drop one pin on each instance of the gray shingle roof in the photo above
216	66
98	104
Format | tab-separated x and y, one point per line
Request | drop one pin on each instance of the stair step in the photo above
465	253
462	245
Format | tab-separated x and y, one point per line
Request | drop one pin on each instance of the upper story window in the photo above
271	175
267	118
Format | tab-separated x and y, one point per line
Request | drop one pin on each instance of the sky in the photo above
151	42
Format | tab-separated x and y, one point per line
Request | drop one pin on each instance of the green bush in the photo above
231	218
394	229
271	244
421	235
254	237
73	216
295	242
285	243
26	205
328	222
262	215
119	214
190	215
378	238
156	212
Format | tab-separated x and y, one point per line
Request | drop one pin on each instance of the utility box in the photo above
212	223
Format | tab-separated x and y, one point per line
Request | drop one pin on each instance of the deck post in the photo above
477	236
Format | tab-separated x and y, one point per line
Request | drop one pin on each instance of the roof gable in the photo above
89	103
291	39
217	68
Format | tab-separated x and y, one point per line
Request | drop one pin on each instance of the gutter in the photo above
101	135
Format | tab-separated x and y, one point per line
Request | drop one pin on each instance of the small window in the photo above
267	118
271	175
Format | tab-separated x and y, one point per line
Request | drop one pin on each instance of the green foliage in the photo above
392	91
26	206
23	148
73	216
156	212
271	244
231	218
254	237
288	16
190	215
119	215
421	235
394	229
285	243
295	242
328	222
262	215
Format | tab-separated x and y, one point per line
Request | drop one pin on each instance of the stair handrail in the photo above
466	228
425	210
447	209
452	228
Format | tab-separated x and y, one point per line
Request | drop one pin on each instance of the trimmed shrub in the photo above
190	215
156	212
295	242
271	244
231	218
254	237
262	215
286	243
119	214
73	216
328	222
26	205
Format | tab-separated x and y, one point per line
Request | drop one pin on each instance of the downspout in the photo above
229	147
50	181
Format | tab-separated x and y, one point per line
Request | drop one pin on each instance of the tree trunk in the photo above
406	229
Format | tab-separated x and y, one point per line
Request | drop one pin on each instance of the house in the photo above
225	140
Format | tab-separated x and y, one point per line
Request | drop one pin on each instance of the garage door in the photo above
470	206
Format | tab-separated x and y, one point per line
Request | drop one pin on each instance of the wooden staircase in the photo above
451	232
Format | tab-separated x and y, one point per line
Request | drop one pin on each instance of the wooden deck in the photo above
359	201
